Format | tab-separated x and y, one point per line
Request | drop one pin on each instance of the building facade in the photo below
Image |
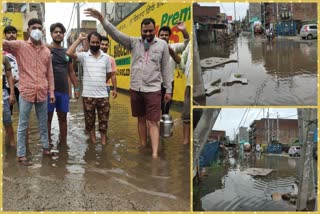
263	131
18	15
287	18
217	135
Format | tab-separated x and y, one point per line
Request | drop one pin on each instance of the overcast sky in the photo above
228	8
61	12
229	118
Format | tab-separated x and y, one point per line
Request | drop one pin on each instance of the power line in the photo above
288	116
245	119
223	8
241	120
74	4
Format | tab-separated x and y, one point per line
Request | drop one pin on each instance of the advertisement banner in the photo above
15	19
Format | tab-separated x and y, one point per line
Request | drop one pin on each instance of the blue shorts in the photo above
61	104
6	113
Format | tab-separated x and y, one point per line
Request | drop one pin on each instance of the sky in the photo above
61	12
230	118
228	8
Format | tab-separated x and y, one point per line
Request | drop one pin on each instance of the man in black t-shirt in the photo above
62	69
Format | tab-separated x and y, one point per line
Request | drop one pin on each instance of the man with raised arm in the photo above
149	62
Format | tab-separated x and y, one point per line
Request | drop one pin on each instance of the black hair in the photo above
34	21
147	21
165	28
10	28
57	25
104	38
95	34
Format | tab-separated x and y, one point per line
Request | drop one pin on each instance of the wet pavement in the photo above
227	188
282	72
86	177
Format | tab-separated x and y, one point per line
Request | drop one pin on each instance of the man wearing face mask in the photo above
96	71
36	81
149	62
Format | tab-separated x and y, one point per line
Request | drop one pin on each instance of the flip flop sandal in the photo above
25	162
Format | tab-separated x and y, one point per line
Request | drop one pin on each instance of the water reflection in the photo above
281	72
227	188
118	169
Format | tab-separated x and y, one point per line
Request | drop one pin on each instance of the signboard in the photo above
163	14
229	18
15	19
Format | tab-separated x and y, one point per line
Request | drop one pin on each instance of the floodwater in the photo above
86	177
282	72
227	188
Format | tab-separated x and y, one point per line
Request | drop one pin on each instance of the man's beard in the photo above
12	38
148	38
57	42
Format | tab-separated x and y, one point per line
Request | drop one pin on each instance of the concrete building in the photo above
86	26
285	131
115	12
207	14
254	11
243	134
18	14
217	135
288	18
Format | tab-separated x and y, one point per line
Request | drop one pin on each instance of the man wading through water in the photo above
150	57
62	68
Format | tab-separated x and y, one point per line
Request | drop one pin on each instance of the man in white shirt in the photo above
174	50
96	71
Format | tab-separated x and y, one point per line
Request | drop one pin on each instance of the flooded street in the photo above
86	177
228	188
280	72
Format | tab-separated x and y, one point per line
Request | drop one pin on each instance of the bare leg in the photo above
50	116
103	138
142	129
155	137
10	135
63	125
186	133
93	136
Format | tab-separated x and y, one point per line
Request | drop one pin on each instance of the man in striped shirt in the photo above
36	81
96	71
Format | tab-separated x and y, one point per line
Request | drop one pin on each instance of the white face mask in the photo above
36	34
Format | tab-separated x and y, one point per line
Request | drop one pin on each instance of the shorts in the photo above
146	104
186	106
61	104
90	105
6	113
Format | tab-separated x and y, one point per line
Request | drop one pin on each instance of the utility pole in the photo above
235	17
201	133
198	85
78	33
307	127
277	127
268	127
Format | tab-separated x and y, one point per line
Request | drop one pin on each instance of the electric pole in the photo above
307	127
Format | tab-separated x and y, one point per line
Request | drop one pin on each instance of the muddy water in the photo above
281	72
117	176
227	188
